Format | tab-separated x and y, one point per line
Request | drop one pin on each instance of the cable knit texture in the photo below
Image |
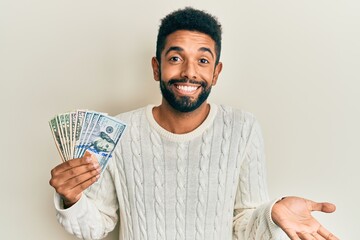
207	184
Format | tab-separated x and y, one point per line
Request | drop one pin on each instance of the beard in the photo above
184	103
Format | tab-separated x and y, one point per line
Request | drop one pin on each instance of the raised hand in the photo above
293	215
72	177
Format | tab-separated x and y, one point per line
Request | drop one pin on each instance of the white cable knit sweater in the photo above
207	184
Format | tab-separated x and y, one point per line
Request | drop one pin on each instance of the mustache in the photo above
183	80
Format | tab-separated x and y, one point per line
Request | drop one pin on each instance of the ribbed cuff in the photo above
76	210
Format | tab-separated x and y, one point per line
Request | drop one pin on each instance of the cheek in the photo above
169	72
207	74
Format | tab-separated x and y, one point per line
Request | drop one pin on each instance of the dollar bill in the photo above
73	121
79	122
104	138
79	144
60	120
67	131
55	133
94	119
79	131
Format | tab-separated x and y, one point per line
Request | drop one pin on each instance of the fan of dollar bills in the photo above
81	130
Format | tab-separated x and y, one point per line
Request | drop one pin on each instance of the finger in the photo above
323	207
76	191
75	186
80	179
69	165
86	159
76	180
60	178
318	236
77	171
306	236
326	234
291	234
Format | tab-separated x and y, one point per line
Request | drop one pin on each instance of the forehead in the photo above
189	40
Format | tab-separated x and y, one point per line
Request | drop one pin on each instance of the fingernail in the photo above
97	178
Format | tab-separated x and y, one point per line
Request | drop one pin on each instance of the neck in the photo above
180	122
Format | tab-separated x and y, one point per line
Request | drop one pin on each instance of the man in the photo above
185	169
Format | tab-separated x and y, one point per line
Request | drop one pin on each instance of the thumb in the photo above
323	207
87	154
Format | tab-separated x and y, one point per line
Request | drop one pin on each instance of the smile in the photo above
186	89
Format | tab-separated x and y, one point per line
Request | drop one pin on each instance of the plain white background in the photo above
294	64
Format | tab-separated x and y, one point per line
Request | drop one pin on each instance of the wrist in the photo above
67	203
273	214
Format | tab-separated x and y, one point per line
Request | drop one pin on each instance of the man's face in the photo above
187	70
102	145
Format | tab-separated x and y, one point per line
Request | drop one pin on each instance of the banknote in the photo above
103	138
73	119
60	120
80	114
79	131
67	131
90	125
55	132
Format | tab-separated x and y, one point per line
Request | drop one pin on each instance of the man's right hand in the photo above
72	177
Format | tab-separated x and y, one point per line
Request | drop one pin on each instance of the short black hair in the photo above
189	19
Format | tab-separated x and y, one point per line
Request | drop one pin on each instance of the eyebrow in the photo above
179	49
205	49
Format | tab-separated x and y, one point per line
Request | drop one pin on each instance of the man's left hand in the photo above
293	216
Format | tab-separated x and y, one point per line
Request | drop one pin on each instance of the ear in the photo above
217	72
156	68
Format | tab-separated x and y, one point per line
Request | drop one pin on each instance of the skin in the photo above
191	55
293	215
72	177
186	55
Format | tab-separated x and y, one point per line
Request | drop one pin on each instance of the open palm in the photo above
293	215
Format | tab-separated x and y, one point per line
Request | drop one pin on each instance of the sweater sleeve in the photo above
252	211
94	215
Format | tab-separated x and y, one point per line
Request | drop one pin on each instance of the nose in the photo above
189	70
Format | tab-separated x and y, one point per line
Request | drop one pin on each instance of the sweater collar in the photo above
186	136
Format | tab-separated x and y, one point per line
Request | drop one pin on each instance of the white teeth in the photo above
186	88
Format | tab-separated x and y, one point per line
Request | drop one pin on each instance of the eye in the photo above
175	59
204	61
